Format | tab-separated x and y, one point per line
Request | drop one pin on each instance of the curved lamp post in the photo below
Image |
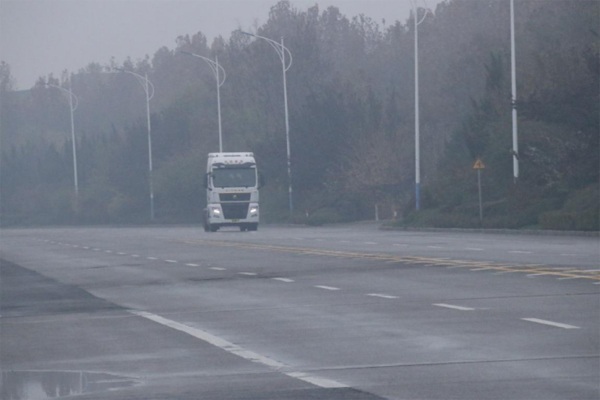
216	69
414	3
149	90
285	65
73	103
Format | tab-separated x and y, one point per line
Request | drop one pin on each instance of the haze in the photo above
39	37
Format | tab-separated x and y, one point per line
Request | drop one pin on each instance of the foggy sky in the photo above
38	37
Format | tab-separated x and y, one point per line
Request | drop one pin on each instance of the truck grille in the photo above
235	210
234	196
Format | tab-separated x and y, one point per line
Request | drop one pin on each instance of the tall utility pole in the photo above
73	103
417	127
216	69
286	63
513	74
149	90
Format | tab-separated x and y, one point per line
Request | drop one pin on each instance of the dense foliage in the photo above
351	102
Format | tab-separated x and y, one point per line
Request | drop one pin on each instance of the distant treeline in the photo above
351	102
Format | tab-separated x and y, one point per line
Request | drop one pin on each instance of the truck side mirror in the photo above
261	180
206	180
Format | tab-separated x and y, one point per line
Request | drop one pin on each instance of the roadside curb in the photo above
496	231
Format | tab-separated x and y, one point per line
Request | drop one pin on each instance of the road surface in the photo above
344	312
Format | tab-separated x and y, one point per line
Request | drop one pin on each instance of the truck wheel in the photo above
213	228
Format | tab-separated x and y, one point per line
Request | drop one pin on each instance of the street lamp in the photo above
73	103
149	90
216	69
417	133
281	52
515	149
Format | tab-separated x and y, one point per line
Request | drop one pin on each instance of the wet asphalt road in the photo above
346	312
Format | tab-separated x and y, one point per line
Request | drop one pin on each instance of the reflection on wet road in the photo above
39	385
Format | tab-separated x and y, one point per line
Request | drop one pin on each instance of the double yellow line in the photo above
523	268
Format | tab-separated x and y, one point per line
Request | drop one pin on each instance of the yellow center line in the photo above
525	268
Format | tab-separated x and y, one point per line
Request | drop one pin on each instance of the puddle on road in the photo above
40	385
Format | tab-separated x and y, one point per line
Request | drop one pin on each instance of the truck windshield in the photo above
234	177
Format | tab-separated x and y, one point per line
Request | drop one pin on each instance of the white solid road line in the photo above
286	280
238	351
327	287
551	323
545	273
454	307
383	296
192	265
482	269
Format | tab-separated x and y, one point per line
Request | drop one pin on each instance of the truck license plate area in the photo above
235	210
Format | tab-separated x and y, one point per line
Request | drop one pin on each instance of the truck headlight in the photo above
254	210
216	212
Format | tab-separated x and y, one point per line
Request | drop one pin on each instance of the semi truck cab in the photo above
232	183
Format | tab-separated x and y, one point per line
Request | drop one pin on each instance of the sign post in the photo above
479	166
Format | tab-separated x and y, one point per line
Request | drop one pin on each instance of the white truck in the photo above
232	183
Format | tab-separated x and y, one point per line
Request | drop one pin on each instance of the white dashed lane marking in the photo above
454	307
473	249
172	261
192	265
247	273
218	269
551	323
327	287
152	258
383	296
520	252
286	280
